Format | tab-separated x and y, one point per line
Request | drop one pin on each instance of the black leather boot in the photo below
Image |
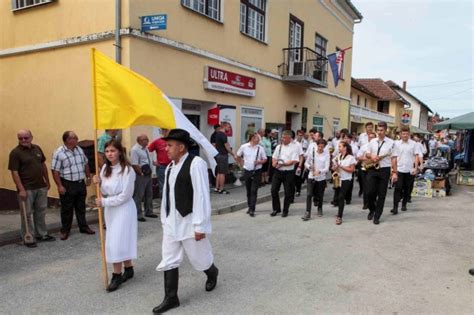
171	292
211	273
307	216
128	273
115	283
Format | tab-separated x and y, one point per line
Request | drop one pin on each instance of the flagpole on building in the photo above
97	187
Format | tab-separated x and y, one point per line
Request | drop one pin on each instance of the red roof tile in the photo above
379	88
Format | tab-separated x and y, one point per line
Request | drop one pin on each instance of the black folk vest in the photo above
183	189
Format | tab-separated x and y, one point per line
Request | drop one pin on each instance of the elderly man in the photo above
141	163
71	174
29	172
186	218
162	160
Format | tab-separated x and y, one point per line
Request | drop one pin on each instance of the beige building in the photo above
261	62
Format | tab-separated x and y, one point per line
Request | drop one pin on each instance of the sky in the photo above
428	43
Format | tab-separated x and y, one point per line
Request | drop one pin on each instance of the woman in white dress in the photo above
117	180
344	163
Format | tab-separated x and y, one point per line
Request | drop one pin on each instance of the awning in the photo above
414	129
465	121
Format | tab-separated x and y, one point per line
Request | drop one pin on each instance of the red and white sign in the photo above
213	116
229	82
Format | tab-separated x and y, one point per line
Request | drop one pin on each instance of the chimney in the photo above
404	85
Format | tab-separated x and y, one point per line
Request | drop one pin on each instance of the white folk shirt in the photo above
200	219
287	153
249	153
406	153
346	162
363	139
386	147
317	161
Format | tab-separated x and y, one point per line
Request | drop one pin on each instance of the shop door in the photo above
195	120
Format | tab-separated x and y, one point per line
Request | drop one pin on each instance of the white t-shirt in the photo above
249	153
346	162
406	153
386	148
287	153
320	163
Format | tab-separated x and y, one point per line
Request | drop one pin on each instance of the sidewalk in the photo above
236	200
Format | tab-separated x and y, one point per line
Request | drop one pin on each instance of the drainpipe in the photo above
118	26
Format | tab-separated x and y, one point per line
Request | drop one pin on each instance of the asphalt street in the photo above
415	262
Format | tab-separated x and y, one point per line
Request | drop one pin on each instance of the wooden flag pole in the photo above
101	221
97	171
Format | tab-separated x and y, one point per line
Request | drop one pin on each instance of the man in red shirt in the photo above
162	160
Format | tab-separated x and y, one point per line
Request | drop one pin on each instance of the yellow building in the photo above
374	100
262	62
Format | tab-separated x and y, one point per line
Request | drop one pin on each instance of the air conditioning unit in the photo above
296	68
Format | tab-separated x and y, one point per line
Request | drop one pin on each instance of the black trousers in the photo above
315	191
377	184
360	179
299	179
403	188
73	200
347	194
287	178
365	190
252	181
341	193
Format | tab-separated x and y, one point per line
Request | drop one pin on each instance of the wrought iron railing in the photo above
304	62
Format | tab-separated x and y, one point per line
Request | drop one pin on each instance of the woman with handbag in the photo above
252	156
344	164
116	180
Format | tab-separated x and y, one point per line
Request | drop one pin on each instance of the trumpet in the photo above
368	164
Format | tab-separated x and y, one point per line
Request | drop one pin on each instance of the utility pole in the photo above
118	26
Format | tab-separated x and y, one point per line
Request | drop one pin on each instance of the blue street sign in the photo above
153	22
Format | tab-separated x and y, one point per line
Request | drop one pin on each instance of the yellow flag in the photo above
123	98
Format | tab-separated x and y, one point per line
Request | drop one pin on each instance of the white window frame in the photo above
257	29
209	8
26	4
318	127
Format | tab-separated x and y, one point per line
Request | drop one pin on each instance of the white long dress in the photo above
120	214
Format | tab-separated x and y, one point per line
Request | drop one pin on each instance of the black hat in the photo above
179	135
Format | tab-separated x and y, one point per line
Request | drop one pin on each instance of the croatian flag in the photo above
335	60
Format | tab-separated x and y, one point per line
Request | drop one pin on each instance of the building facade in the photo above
253	63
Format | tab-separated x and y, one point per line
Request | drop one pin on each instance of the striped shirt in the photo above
71	164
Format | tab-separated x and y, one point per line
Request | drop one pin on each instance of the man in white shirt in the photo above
405	162
185	217
141	163
363	137
299	169
252	156
379	150
363	173
432	145
284	158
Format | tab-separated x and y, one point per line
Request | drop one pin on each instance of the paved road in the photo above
415	262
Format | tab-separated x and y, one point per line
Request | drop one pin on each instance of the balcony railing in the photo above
304	66
363	112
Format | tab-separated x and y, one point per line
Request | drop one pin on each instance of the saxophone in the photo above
336	180
368	164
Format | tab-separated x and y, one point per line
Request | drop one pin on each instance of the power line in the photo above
460	92
438	84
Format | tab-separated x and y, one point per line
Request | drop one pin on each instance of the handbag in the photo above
146	170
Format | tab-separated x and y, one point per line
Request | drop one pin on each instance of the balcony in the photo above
304	67
363	112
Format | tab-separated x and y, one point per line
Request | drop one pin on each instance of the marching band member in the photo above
364	137
363	172
317	163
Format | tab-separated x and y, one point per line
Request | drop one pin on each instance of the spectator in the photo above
222	158
162	160
108	135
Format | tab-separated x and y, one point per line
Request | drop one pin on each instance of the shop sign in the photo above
153	22
229	82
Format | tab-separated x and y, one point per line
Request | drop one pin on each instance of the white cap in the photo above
274	130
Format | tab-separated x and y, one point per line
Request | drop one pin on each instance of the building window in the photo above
358	99
209	8
320	47
383	106
23	4
335	125
252	18
318	123
251	119
365	101
341	77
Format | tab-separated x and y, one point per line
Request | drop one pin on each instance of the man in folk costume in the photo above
186	218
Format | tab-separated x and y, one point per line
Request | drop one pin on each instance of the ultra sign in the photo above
229	82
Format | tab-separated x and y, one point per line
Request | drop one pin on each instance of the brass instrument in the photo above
336	180
368	164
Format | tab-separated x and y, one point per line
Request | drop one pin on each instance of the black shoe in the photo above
128	273
315	203
348	202
142	219
320	211
31	245
376	221
151	215
46	238
115	283
394	211
471	272
252	213
212	274
404	208
370	216
248	211
306	216
274	213
284	214
171	292
365	207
